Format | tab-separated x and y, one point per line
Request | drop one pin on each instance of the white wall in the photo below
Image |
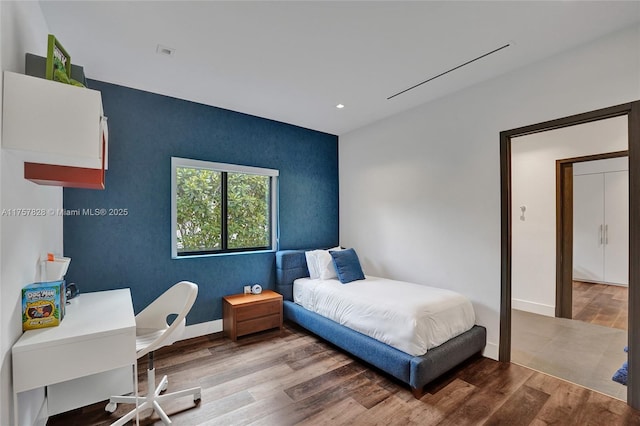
23	29
533	178
420	191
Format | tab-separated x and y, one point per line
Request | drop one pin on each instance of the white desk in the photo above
97	334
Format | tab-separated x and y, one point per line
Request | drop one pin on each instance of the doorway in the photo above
565	241
580	352
632	111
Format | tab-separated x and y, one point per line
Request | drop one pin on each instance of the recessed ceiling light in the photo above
339	106
164	50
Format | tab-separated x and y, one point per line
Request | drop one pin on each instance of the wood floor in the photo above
601	304
292	377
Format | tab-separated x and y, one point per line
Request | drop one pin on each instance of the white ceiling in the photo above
293	61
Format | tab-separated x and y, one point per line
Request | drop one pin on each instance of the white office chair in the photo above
153	332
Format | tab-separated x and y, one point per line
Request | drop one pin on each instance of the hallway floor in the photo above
580	352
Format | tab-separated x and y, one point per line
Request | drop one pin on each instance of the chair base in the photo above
151	401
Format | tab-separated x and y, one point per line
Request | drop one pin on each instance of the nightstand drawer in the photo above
258	324
249	313
257	310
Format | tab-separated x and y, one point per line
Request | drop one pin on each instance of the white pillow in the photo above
312	264
325	264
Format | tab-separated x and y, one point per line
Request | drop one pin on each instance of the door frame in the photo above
564	229
632	111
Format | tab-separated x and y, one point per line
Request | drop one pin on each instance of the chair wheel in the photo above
111	407
165	386
196	398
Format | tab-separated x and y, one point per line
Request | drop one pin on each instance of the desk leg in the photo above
15	409
36	409
135	390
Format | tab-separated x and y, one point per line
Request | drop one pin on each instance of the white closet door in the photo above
588	229
616	208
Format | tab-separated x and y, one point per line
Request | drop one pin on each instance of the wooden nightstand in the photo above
249	313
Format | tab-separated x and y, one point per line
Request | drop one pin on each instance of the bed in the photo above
409	365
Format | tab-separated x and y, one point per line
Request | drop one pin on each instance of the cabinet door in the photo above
52	123
616	212
588	229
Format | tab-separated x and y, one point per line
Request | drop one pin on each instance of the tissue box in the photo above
56	268
43	304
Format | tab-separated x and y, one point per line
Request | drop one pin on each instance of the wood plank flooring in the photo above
601	304
292	377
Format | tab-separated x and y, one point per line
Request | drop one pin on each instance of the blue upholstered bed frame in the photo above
416	371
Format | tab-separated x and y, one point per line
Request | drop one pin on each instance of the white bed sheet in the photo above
410	317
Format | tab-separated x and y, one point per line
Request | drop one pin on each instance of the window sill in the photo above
237	253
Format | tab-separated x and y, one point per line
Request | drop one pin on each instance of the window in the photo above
221	208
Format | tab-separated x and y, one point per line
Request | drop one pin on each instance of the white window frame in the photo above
222	167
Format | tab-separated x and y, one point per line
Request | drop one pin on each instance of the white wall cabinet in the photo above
50	123
601	221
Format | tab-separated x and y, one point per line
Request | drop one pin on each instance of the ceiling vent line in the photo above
450	70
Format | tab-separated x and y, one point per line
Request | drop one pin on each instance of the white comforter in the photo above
410	317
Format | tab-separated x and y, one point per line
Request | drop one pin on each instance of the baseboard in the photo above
586	281
534	308
491	351
202	329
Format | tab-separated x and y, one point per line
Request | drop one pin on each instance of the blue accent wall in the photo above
145	131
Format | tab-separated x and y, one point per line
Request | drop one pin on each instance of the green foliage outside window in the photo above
199	201
248	211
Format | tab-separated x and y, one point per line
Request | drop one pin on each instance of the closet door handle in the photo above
606	234
600	234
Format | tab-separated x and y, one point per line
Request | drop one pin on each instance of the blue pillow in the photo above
347	265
